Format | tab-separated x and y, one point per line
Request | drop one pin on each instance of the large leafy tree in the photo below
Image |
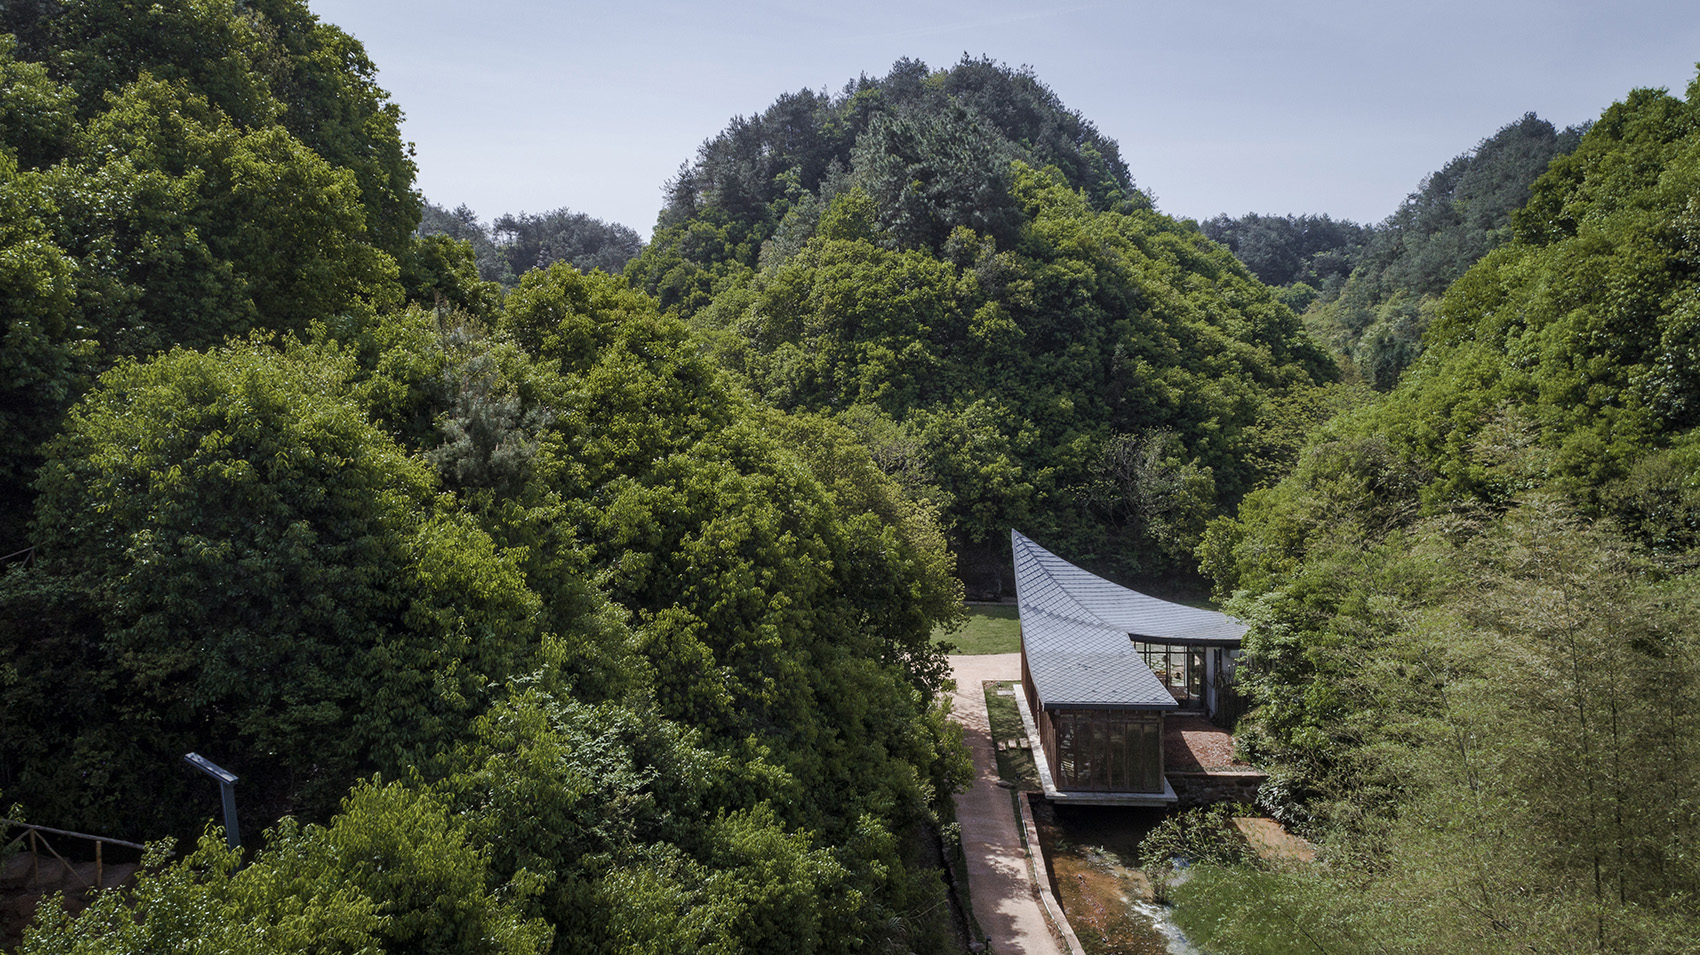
189	230
782	588
201	170
37	352
696	513
233	560
264	63
394	871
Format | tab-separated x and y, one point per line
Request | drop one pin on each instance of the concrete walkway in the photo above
998	884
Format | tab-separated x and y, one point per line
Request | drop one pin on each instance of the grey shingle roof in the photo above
1076	629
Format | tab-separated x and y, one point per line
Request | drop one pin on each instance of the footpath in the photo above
1002	892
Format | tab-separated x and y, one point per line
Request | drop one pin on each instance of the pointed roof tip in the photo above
1078	631
1054	584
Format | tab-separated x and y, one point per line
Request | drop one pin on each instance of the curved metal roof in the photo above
1077	631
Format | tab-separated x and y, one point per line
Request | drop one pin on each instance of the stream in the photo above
1092	855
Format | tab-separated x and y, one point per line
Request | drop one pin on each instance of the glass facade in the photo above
1178	667
1107	750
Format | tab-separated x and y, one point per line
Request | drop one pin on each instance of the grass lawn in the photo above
1014	765
994	628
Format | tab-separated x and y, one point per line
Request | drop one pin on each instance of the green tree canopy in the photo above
263	63
1473	643
232	559
394	871
1056	385
202	170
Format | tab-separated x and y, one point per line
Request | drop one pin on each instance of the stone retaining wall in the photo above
1202	789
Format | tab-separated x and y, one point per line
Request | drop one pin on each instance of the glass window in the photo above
1178	667
1109	750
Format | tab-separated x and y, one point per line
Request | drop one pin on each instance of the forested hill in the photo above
1475	643
524	626
958	268
512	245
1369	292
932	148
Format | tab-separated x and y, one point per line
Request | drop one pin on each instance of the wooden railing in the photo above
35	838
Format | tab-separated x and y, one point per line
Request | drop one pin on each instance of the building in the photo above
1101	666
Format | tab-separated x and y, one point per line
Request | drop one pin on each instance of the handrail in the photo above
37	840
74	835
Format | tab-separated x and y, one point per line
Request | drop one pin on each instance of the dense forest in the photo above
960	270
525	627
552	591
1474	599
1368	293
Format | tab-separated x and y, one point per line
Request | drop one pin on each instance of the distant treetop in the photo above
512	245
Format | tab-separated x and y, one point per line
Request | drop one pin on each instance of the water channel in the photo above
1091	853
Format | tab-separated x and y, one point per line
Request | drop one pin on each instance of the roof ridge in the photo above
1078	631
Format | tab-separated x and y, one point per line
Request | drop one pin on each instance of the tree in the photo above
394	871
442	273
164	209
463	225
202	170
38	371
242	561
262	64
758	577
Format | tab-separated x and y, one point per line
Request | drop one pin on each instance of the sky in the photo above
1306	106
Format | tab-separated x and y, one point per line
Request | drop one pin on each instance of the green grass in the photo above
1014	765
994	628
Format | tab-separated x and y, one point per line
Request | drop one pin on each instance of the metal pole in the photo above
231	832
227	789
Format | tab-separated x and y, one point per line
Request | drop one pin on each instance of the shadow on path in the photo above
998	882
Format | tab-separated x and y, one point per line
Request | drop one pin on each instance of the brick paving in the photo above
1192	744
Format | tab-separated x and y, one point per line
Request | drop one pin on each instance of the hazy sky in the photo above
1226	106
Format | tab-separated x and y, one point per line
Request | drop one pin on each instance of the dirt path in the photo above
998	883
